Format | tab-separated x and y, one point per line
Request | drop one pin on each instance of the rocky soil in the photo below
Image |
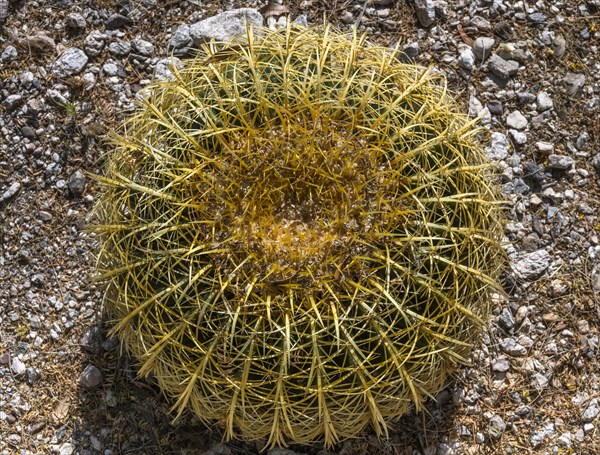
70	71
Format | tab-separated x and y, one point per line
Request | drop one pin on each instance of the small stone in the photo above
11	192
498	148
496	427
588	427
518	137
94	43
545	148
181	39
425	10
537	438
466	59
76	183
582	140
5	358
110	69
163	69
504	69
516	120
536	18
13	101
17	367
495	107
544	102
482	47
501	365
66	449
13	439
596	163
90	377
560	162
225	26
142	47
512	348
119	48
559	46
116	21
410	52
71	62
531	266
591	411
76	21
573	83
564	440
479	438
538	381
506	319
533	172
9	54
347	17
92	340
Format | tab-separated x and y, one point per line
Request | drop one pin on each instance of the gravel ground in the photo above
69	71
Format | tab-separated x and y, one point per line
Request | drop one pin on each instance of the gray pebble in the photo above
498	148
504	69
17	366
76	21
94	43
511	347
180	40
92	340
11	192
482	47
591	411
119	48
90	377
142	47
9	54
544	102
501	365
506	319
71	62
573	83
560	162
225	26
466	59
347	17
516	120
116	21
531	266
13	101
76	183
518	137
425	10
496	427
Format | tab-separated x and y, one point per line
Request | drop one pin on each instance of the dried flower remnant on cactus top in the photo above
300	236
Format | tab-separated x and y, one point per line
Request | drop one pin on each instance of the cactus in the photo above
299	236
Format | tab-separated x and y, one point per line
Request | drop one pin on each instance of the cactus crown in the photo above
299	236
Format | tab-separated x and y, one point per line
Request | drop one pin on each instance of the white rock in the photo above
545	148
532	265
482	47
544	102
225	26
498	148
71	62
425	12
516	120
17	366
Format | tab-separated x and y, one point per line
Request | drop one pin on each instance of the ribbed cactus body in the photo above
299	236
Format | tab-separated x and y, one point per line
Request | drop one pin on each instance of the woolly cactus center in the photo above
311	202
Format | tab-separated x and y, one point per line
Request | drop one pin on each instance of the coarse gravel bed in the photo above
69	72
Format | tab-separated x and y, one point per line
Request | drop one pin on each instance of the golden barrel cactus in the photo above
299	236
